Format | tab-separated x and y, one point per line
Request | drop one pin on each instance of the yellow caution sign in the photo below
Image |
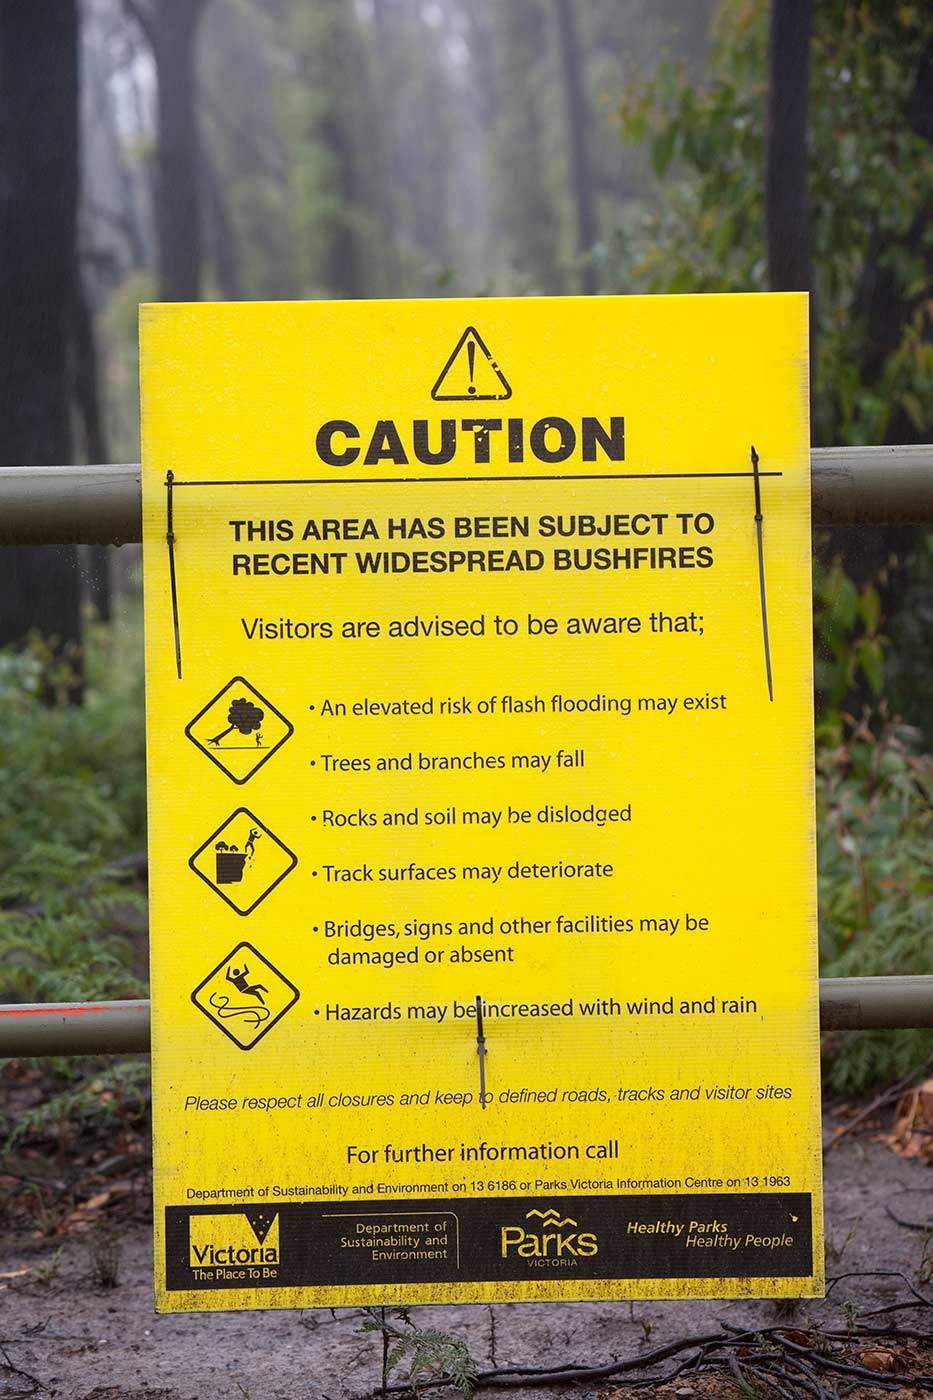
479	696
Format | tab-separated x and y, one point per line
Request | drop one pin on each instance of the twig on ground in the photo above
880	1273
787	1367
36	1181
923	1226
18	1371
741	1382
888	1096
895	1307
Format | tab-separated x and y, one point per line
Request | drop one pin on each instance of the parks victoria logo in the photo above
234	1245
548	1240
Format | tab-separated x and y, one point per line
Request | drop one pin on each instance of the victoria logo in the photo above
548	1240
234	1245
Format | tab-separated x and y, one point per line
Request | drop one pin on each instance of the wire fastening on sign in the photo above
761	573
481	1051
170	540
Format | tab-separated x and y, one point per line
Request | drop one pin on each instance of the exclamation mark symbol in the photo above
471	356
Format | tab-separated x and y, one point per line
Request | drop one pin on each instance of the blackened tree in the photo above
171	27
39	588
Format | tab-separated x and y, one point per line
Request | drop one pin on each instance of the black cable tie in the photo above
170	541
759	519
481	1050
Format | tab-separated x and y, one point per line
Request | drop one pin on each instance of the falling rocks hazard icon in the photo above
239	729
243	861
471	373
245	995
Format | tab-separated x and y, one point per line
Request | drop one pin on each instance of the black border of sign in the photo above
275	1020
216	888
198	745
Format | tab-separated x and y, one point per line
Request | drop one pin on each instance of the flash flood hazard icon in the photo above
239	729
245	995
243	861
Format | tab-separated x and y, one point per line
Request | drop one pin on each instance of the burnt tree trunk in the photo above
86	392
787	208
581	178
529	212
342	257
884	302
171	28
39	588
223	239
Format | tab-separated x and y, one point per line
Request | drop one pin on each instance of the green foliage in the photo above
875	822
119	347
326	117
87	1095
910	674
851	649
423	150
706	232
73	953
430	1355
241	72
75	806
345	147
104	1247
101	1094
871	181
530	210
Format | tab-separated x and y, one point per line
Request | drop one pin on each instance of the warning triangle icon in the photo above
471	373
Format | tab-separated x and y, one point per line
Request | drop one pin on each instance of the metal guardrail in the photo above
122	1027
75	1028
102	505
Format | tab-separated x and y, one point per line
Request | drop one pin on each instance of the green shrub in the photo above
72	805
875	825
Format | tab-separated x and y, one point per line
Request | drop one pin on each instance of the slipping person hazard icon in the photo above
245	995
243	861
239	729
471	373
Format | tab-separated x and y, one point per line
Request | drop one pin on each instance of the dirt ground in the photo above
63	1334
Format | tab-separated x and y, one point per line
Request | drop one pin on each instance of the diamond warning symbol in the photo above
471	372
243	861
239	729
245	996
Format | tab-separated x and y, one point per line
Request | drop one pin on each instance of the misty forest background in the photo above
253	149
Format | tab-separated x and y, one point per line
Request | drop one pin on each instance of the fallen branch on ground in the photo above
791	1361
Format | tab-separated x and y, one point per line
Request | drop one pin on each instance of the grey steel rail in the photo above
102	505
122	1027
75	1028
872	485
